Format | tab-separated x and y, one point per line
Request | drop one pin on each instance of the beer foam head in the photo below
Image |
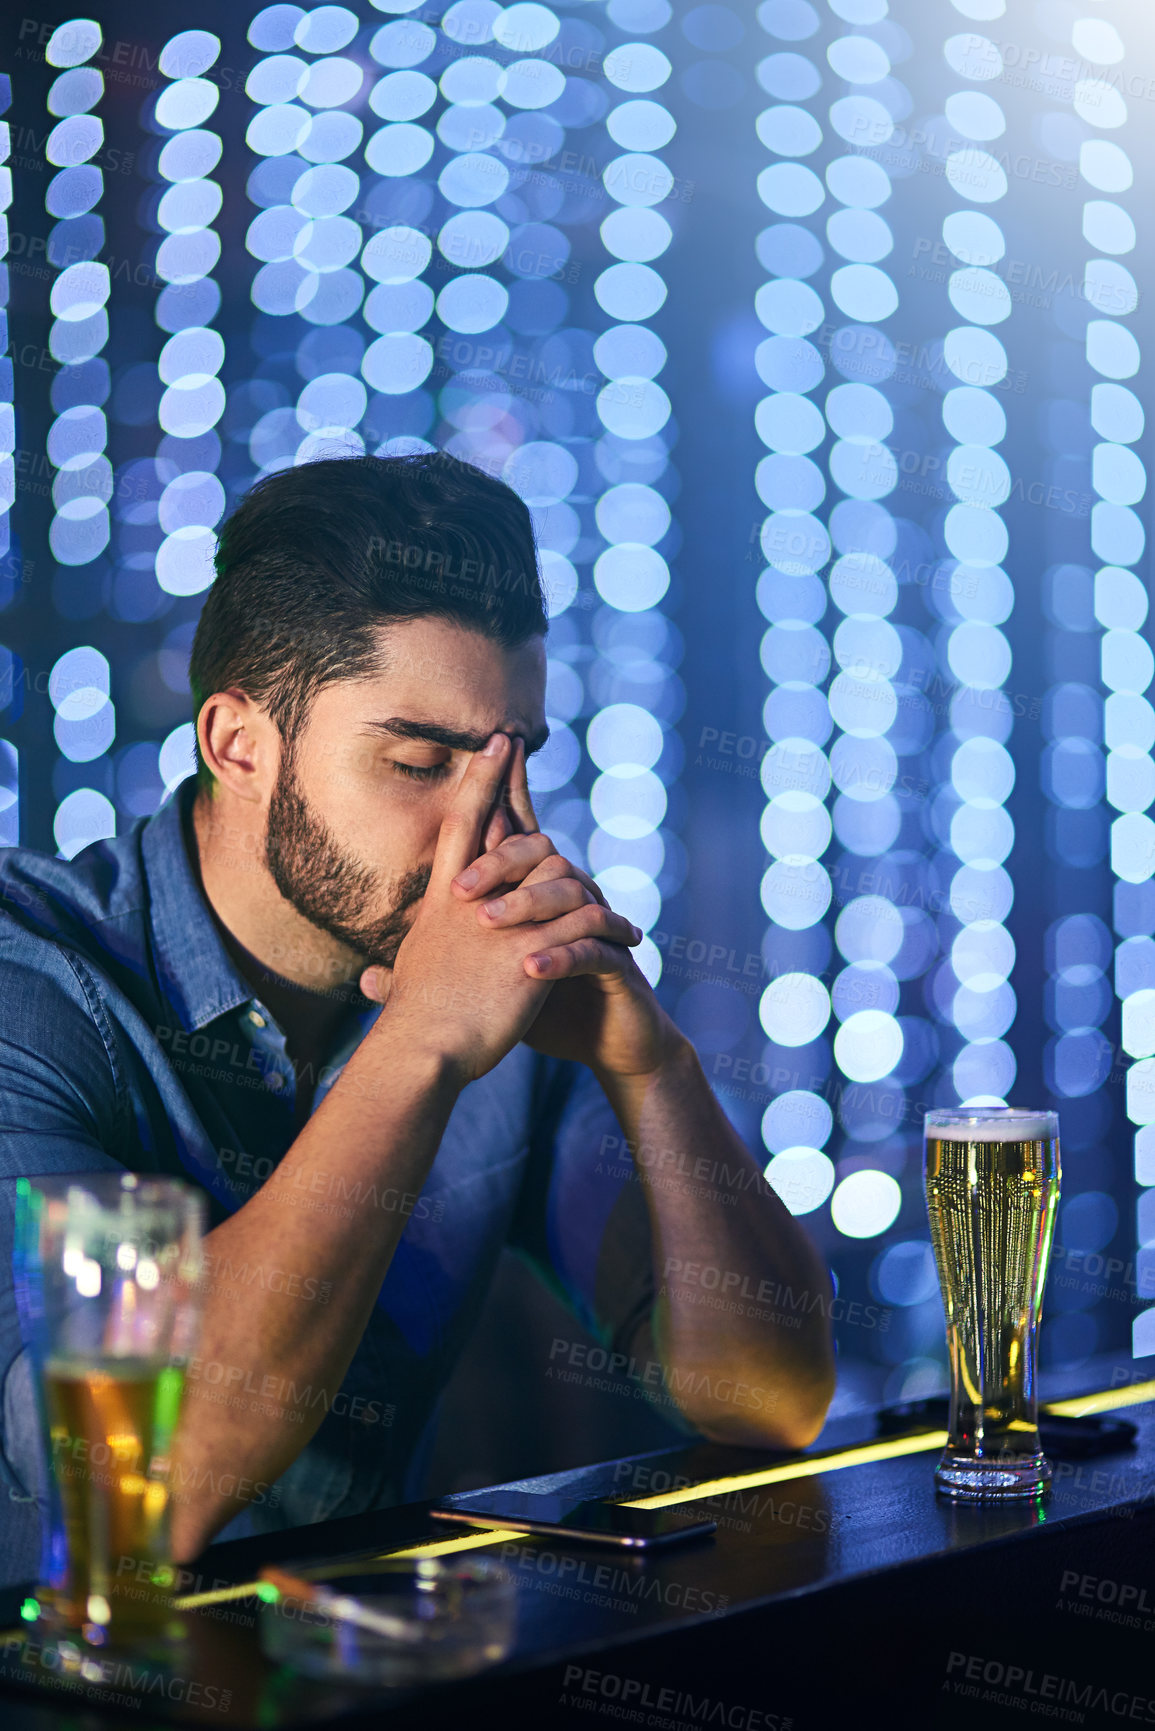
1023	1127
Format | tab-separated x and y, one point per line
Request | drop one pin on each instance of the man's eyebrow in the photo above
452	738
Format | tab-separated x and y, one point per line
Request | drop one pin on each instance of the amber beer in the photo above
992	1192
108	1271
111	1431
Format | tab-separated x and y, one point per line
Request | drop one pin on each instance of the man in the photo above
341	981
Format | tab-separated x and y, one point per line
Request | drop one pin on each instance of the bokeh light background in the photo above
812	334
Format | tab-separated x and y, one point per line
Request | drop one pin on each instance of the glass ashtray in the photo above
400	1621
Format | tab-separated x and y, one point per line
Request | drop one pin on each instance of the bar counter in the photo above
837	1588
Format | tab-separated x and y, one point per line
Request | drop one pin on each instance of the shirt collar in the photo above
195	971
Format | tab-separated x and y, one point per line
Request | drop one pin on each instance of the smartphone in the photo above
598	1523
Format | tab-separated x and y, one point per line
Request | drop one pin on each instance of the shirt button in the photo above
256	1019
276	1081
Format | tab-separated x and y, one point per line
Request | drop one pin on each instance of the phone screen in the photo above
611	1522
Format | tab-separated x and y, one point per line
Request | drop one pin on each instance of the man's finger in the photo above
497	829
460	838
584	878
587	921
519	798
552	900
511	860
521	859
583	956
556	865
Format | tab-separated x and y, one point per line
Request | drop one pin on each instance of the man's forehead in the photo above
435	680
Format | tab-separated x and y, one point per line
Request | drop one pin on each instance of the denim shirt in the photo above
129	1040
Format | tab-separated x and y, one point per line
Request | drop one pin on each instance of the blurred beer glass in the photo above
107	1268
992	1191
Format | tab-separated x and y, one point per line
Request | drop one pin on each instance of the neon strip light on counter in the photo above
1079	1406
1104	1400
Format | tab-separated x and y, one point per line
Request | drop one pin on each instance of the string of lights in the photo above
1118	539
79	684
796	828
630	735
184	472
977	652
837	740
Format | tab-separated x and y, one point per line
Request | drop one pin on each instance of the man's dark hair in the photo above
314	559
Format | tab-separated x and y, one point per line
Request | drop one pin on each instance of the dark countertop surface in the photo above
857	1524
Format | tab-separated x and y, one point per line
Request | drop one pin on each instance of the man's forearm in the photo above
748	1374
381	1123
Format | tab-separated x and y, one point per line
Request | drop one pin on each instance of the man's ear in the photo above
238	743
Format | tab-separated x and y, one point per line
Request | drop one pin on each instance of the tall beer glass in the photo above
107	1268
992	1191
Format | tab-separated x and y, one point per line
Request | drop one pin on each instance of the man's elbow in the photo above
790	1424
802	1414
814	1389
777	1411
809	1394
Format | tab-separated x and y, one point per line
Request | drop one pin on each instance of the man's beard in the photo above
324	884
